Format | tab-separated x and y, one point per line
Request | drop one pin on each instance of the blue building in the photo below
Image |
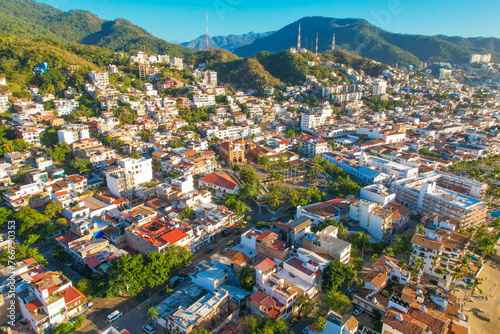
41	68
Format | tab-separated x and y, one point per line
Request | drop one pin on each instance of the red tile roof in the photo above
173	236
221	180
72	295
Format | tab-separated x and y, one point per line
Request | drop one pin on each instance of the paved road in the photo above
135	312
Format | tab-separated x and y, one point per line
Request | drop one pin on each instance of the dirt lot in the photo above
487	322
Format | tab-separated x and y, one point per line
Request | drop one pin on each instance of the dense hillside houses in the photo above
203	189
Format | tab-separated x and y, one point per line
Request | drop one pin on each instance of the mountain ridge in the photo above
228	42
368	40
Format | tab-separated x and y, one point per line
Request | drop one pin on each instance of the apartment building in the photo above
4	103
65	106
304	275
203	100
325	242
123	180
422	193
266	242
99	78
441	249
361	174
29	134
73	132
314	145
48	298
388	167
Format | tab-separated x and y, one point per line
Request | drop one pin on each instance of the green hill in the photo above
367	40
32	19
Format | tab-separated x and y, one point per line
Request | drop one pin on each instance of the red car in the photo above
422	282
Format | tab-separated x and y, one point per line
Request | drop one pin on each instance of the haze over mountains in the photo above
229	43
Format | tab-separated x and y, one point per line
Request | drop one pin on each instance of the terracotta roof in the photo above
173	236
377	278
72	295
33	305
405	323
436	322
221	180
423	241
264	264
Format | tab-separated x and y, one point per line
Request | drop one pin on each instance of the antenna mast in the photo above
207	29
316	45
298	41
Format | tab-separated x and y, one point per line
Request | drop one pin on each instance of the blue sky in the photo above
185	20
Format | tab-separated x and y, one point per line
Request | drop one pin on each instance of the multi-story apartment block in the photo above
4	102
73	132
28	134
99	78
122	180
66	107
267	243
441	248
203	100
48	298
422	193
314	145
325	242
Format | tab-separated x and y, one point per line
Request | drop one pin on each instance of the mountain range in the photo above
28	18
32	19
229	43
367	40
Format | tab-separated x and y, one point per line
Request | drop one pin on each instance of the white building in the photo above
72	133
203	100
99	78
123	180
379	87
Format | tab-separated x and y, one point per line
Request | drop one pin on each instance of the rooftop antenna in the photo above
207	29
333	42
316	45
298	41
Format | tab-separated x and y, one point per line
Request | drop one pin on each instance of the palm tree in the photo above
420	229
435	261
374	258
354	279
474	285
320	324
153	314
362	241
418	265
388	252
457	275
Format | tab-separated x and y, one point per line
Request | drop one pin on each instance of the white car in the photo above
358	311
148	329
226	249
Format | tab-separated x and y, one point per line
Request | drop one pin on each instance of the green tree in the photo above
5	215
81	165
85	286
389	251
290	133
246	277
267	326
135	155
29	219
305	305
320	324
358	263
60	254
187	213
53	209
334	300
22	252
335	274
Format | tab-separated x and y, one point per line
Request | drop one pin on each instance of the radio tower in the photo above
333	42
207	30
316	45
298	41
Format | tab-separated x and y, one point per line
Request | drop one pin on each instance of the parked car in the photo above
226	249
358	311
163	292
422	282
90	304
143	297
209	250
188	264
237	232
230	242
148	329
293	321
